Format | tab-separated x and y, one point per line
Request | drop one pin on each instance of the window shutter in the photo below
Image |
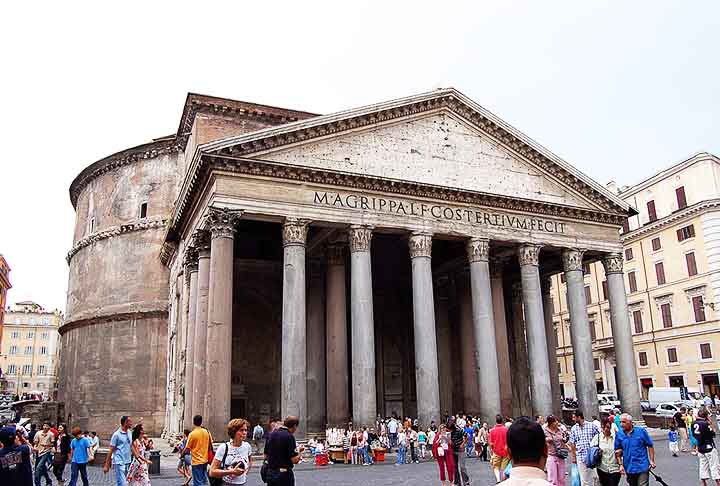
691	231
588	295
656	244
705	351
681	200
605	290
628	254
660	273
672	355
637	320
593	335
652	215
642	358
632	282
691	264
666	315
698	308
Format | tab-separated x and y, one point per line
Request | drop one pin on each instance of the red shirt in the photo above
498	440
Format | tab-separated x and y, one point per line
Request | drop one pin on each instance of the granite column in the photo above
551	345
338	393
201	241
191	270
501	337
469	370
315	352
521	375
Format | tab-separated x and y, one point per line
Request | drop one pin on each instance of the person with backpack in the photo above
609	469
634	451
581	434
233	459
558	451
257	435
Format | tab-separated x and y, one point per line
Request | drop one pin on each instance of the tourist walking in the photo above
198	445
708	460
392	429
138	470
497	440
120	453
62	451
257	435
679	419
609	469
422	442
402	447
185	459
233	459
79	457
95	445
282	453
459	441
526	447
15	464
43	444
557	451
581	434
634	452
442	452
413	441
673	444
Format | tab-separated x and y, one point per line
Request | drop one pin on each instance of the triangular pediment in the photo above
439	138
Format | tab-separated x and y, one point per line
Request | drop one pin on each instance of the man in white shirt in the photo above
392	432
528	451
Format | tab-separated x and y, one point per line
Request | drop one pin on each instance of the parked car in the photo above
609	398
646	407
668	409
606	405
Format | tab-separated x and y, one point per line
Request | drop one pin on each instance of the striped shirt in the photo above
581	437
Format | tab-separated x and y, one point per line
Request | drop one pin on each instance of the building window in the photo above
698	308
632	282
13	349
666	315
28	349
672	355
43	350
642	358
652	215
680	196
676	381
705	351
656	244
588	295
143	210
46	321
637	321
31	334
12	369
686	232
593	335
45	335
596	364
628	254
560	370
42	369
660	273
16	334
691	264
605	289
27	369
626	225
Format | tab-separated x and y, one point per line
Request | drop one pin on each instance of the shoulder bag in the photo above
219	481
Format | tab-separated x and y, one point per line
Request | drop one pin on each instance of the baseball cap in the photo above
7	435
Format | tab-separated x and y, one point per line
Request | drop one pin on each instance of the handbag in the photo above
219	481
264	472
211	451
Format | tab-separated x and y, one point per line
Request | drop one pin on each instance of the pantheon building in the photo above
388	259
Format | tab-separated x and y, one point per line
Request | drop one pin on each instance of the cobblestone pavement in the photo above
680	471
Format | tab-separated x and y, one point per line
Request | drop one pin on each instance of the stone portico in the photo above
327	268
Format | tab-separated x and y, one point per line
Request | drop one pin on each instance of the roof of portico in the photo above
611	208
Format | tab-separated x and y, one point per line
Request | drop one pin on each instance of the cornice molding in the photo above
106	318
690	211
120	159
115	231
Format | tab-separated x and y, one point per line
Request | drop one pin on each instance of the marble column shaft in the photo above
315	353
585	387
501	337
541	395
338	392
192	270
442	332
426	360
521	374
552	346
364	391
470	380
220	320
628	385
484	327
293	390
202	243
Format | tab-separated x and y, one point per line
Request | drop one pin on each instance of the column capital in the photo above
335	253
529	254
221	222
613	263
478	249
572	259
190	260
201	242
420	245
360	237
294	232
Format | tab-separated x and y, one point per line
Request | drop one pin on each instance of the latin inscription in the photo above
437	211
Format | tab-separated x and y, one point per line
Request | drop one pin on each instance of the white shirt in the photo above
526	476
392	426
235	455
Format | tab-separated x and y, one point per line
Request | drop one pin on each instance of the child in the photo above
422	440
184	462
673	438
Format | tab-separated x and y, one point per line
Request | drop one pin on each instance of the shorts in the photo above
499	462
709	465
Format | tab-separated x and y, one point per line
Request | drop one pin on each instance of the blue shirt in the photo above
581	437
469	431
634	449
673	436
122	442
79	448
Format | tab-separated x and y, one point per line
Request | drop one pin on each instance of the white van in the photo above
658	395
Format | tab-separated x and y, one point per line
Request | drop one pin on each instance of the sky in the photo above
618	89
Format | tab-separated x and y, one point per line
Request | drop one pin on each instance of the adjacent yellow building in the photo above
672	277
28	351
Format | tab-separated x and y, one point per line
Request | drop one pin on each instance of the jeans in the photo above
121	472
401	455
609	479
469	448
199	474
413	453
461	475
393	440
639	479
366	453
41	468
76	468
277	478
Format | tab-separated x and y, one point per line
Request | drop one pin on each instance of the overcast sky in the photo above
619	90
